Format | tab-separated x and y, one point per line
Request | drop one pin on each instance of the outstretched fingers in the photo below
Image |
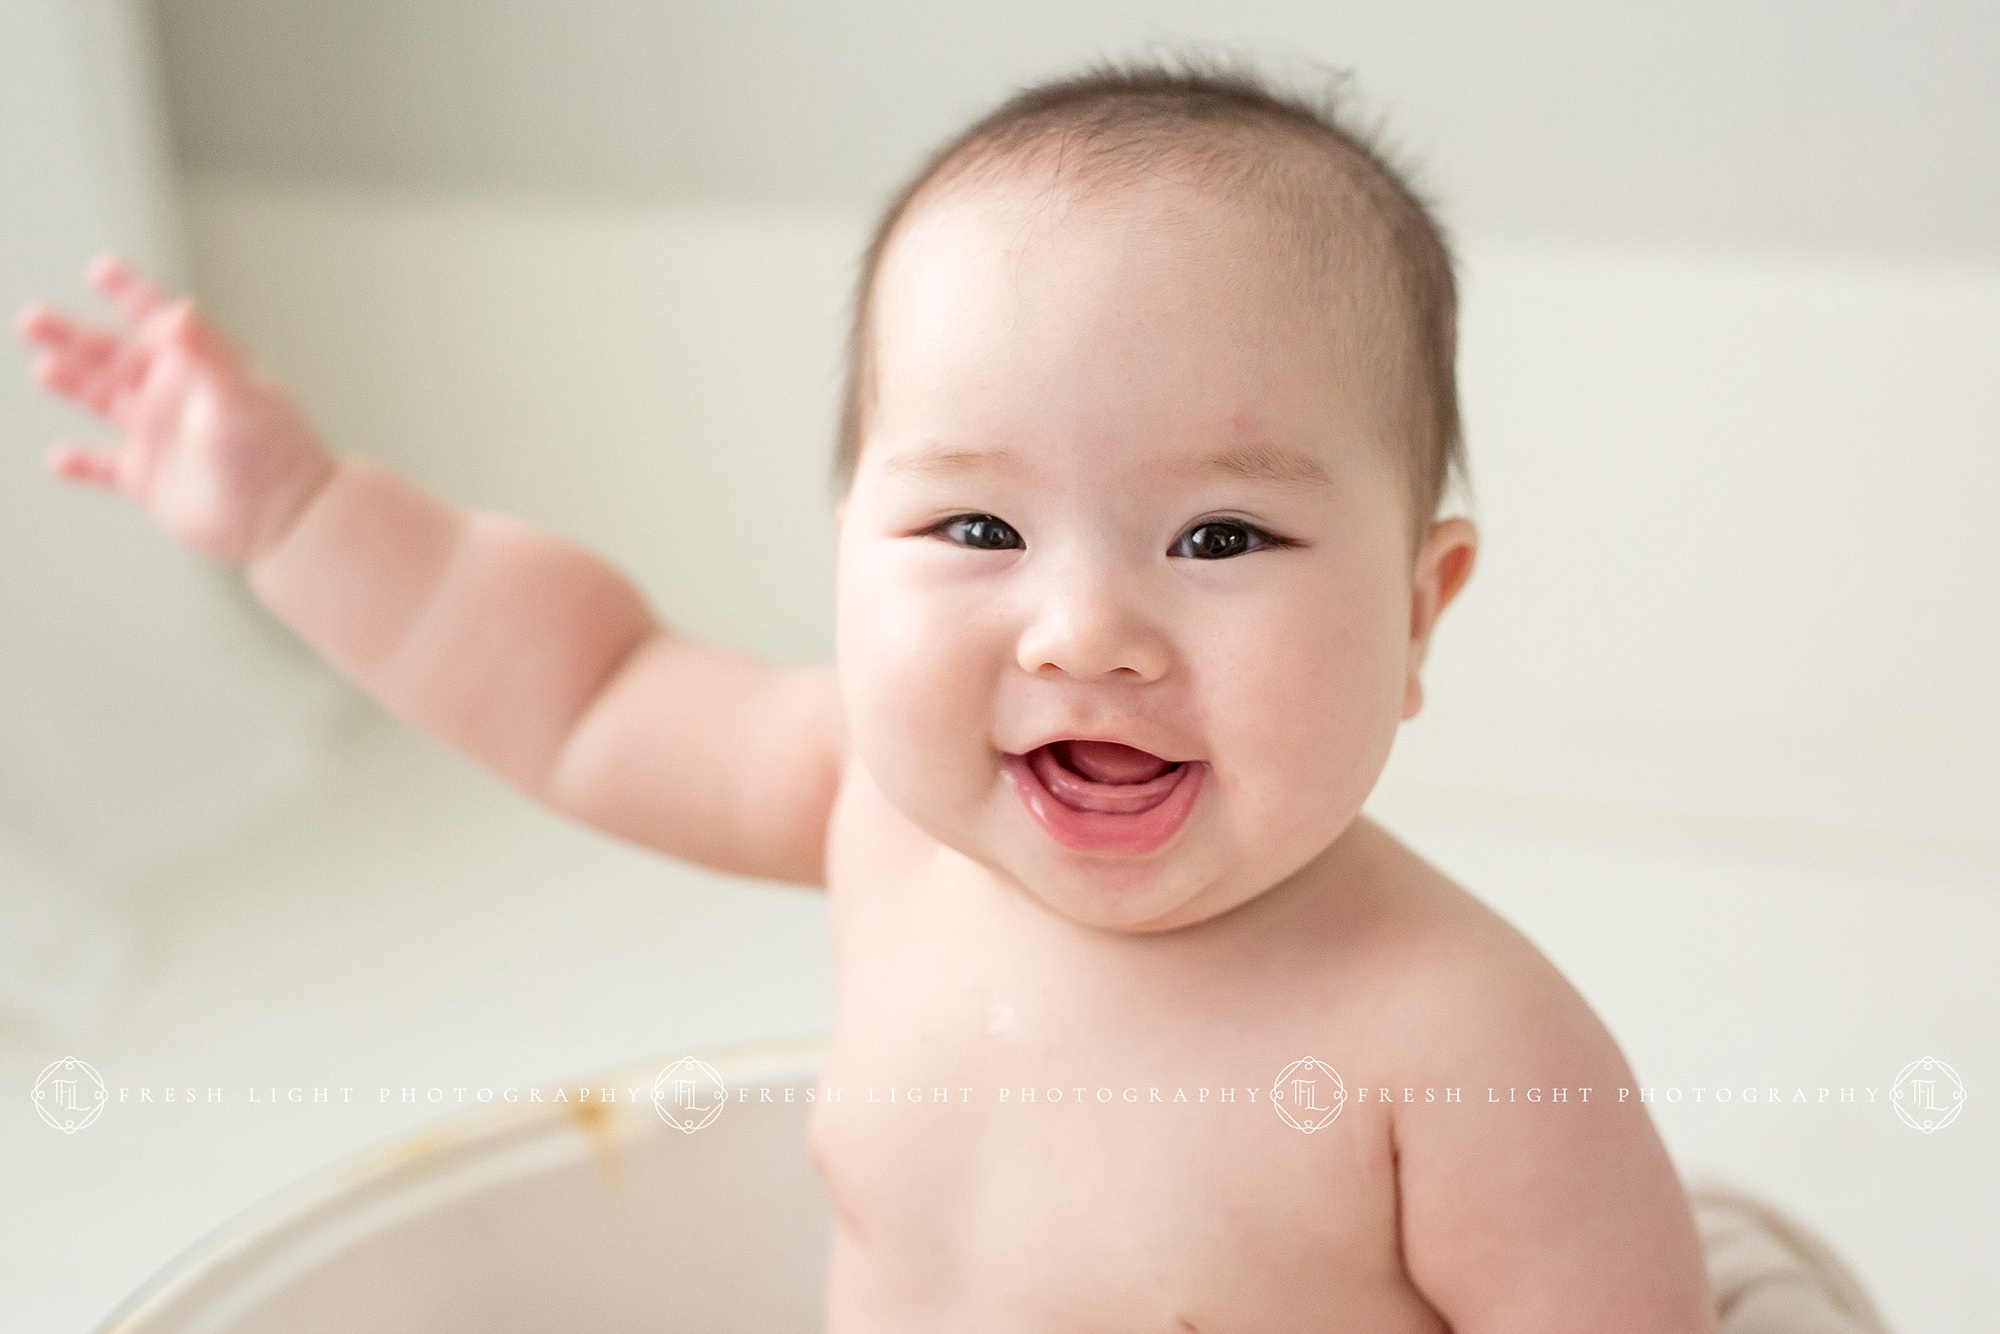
99	384
77	343
112	372
89	365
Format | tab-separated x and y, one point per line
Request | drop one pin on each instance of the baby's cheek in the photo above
917	712
1313	720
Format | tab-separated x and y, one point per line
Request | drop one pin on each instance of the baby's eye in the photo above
980	531
1219	539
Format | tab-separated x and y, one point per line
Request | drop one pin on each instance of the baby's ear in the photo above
840	512
1446	562
1443	566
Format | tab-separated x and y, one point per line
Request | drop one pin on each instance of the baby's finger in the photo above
118	280
77	464
37	323
60	375
94	385
68	338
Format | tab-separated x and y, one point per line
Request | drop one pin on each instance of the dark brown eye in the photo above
982	532
1219	539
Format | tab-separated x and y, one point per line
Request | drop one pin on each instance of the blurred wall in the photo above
1846	127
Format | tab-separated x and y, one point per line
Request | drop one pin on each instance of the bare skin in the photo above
1110	351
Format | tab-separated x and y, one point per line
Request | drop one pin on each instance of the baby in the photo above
1140	1024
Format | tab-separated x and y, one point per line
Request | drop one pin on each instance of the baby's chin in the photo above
1140	914
1143	896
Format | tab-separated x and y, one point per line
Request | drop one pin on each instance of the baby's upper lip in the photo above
1151	748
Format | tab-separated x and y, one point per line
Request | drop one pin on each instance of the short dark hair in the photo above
1118	123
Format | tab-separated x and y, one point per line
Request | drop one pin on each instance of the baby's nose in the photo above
1085	630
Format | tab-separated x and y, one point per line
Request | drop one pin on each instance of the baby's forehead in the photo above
1178	263
1017	213
1236	305
1309	247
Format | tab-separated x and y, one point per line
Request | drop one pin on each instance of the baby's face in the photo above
1040	543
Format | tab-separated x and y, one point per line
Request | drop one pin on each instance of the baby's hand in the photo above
219	455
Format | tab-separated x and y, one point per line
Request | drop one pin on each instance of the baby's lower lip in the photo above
1128	818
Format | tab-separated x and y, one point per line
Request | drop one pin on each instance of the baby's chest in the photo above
1090	1182
1063	1140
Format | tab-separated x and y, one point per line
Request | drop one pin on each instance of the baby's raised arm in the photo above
514	646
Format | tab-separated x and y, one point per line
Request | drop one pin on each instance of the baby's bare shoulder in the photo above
1456	976
1528	1183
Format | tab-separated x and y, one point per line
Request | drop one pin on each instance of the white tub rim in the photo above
311	1210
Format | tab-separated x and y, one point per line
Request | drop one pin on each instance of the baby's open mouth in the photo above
1102	796
1103	775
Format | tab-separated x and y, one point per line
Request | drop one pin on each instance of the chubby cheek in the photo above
917	674
1303	711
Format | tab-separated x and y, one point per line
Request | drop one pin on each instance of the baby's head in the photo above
1150	408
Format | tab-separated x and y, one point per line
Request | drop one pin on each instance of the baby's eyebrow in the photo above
1259	462
947	462
1262	462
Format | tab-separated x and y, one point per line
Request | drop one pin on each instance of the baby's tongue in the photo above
1110	762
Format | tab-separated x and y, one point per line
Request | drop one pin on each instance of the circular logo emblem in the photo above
69	1095
1928	1095
1308	1094
689	1094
